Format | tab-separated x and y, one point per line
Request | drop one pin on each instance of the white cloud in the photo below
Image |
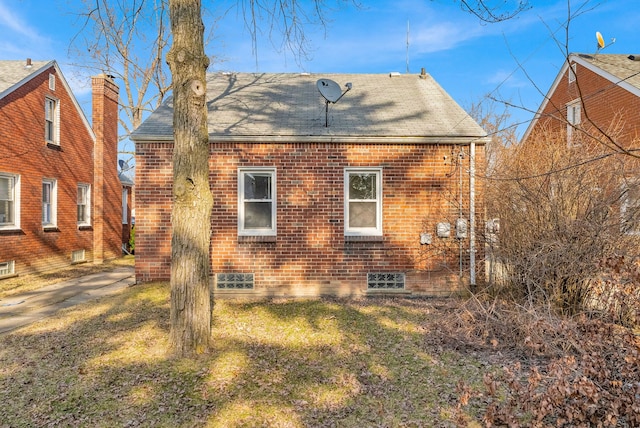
23	39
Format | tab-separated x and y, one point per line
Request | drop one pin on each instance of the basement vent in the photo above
385	281
7	268
234	281
77	256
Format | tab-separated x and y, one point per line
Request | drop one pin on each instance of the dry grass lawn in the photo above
318	363
281	363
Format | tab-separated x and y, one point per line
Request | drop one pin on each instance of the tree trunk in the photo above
191	303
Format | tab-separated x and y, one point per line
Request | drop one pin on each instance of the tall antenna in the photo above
407	46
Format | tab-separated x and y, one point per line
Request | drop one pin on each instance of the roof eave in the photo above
336	139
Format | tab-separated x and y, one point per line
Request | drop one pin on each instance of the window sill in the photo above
358	238
85	227
10	275
54	146
48	229
257	238
18	231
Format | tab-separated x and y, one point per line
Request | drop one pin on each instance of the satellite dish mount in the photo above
600	42
331	93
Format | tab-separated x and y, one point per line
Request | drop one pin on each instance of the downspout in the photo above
472	214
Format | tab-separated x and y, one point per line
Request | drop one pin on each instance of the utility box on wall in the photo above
443	230
461	228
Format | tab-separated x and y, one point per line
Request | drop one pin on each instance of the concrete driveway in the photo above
22	309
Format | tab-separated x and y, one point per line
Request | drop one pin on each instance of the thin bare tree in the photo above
129	40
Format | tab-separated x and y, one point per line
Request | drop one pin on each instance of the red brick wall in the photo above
310	254
610	107
25	152
107	186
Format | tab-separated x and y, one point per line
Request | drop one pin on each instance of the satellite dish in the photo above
600	40
332	93
330	90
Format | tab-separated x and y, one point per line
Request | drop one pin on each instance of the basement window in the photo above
7	268
385	281
234	281
77	256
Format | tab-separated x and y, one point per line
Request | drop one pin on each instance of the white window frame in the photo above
14	197
363	231
50	207
265	231
52	120
574	118
86	188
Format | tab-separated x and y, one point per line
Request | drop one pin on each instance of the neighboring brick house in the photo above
310	198
59	190
596	97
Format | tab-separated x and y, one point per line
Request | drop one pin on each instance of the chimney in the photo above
107	191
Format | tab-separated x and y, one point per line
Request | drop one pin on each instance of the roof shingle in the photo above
276	106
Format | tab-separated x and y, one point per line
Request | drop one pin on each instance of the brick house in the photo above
596	97
373	193
59	190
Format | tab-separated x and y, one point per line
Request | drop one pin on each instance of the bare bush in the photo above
564	238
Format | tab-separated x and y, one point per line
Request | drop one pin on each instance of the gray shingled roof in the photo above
250	107
13	73
618	65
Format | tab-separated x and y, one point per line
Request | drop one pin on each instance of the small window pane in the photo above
257	215
362	186
6	188
257	186
7	200
362	214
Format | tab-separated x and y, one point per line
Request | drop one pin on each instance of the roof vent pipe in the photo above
29	65
423	73
634	57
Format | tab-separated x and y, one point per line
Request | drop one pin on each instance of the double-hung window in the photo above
574	117
84	210
49	202
51	121
363	201
9	201
256	201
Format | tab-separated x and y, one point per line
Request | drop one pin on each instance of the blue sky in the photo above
467	57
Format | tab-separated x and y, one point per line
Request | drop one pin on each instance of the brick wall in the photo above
607	105
107	187
23	151
310	254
